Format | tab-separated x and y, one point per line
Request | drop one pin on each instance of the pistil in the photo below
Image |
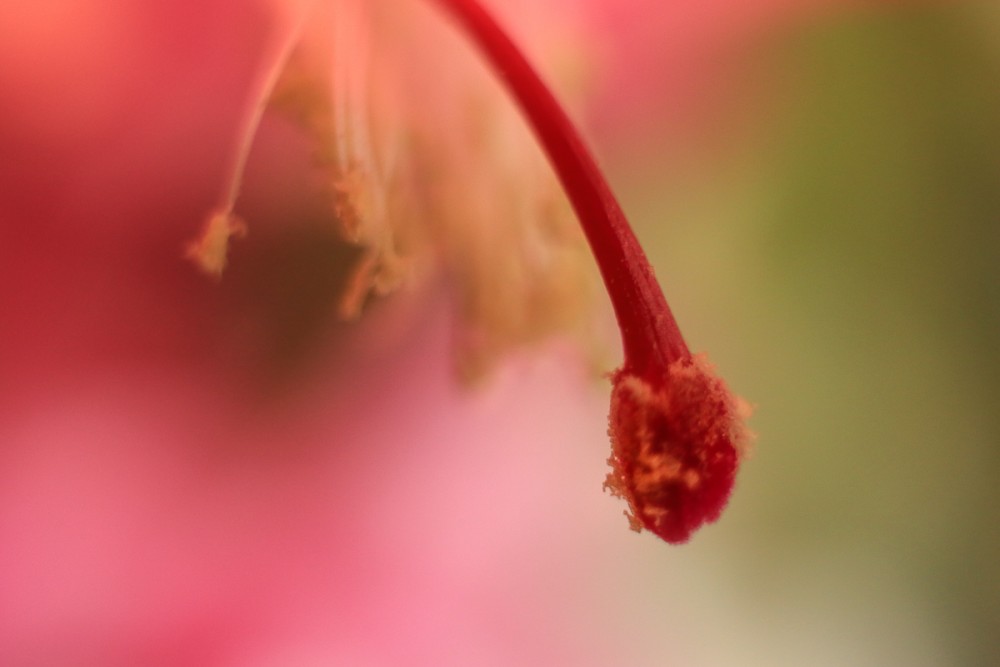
677	432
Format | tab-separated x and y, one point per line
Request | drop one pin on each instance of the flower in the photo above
677	431
218	473
199	471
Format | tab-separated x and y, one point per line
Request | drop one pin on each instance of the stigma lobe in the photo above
676	446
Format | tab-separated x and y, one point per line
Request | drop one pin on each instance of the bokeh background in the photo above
195	473
836	247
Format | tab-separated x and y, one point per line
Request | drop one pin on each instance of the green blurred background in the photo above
839	257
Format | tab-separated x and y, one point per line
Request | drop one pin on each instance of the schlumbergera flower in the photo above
406	168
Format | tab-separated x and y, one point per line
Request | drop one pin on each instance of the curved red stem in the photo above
650	336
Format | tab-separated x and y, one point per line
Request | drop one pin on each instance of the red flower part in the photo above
677	432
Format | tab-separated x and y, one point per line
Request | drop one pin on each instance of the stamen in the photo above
677	432
210	249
